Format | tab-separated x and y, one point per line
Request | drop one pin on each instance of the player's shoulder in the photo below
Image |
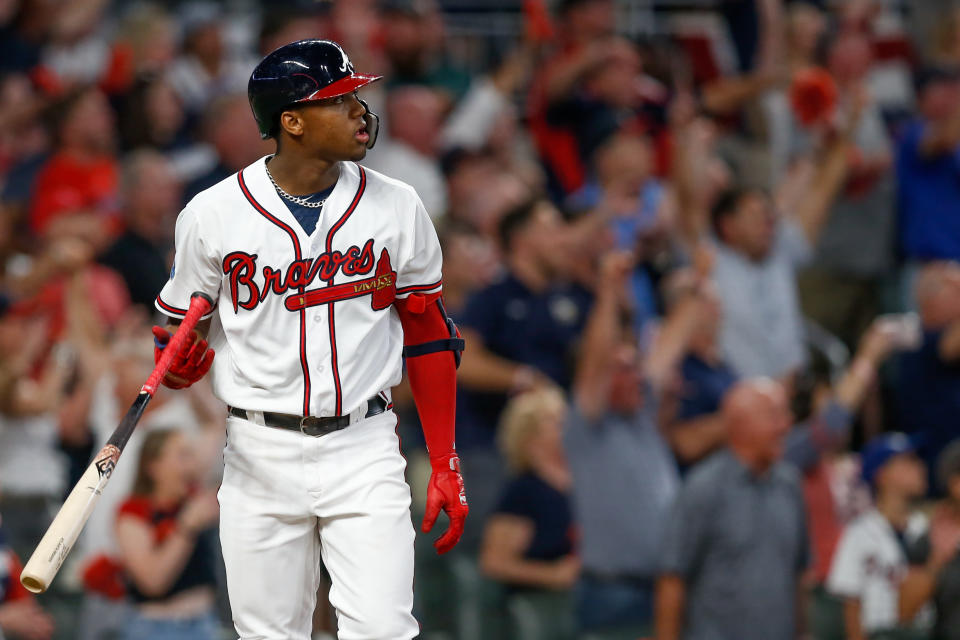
216	196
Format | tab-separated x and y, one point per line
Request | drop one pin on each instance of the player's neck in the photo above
302	176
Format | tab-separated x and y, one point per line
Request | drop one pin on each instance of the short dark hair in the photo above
515	220
725	206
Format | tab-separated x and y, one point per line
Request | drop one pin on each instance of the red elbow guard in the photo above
427	328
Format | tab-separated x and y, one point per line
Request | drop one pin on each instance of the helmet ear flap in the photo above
373	123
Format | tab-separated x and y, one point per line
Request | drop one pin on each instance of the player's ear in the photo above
292	122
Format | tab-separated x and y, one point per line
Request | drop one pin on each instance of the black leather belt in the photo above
313	425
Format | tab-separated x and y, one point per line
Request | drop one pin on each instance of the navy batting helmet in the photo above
300	72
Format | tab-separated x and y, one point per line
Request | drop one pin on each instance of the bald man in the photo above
736	541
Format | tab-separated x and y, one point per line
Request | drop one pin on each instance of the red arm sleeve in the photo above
433	377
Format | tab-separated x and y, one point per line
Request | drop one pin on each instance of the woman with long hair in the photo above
164	535
528	542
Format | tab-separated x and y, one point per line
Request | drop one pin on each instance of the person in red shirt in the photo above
166	550
75	193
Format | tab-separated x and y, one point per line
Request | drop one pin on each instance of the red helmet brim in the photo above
341	87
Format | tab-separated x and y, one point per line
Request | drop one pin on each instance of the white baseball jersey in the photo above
303	322
870	564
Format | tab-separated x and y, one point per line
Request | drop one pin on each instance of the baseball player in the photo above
325	274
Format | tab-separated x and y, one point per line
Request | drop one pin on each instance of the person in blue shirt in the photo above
522	331
928	170
929	390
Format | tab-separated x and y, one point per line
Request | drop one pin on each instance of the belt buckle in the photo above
308	430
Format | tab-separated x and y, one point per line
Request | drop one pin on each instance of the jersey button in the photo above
318	319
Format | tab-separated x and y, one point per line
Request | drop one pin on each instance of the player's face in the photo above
334	129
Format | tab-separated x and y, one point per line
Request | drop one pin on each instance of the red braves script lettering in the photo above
241	269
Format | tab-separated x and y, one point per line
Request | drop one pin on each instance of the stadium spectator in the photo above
163	532
151	200
696	428
482	190
44	398
153	116
76	52
871	567
146	44
928	392
414	119
469	264
21	132
625	477
20	615
927	169
521	329
581	46
943	542
757	255
736	542
854	252
75	192
413	30
284	25
626	202
229	127
205	69
528	542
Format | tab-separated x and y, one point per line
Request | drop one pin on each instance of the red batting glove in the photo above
445	491
191	363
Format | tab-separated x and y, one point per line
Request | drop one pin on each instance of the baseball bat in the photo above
62	533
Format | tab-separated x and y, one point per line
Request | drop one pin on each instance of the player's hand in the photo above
25	619
191	363
446	492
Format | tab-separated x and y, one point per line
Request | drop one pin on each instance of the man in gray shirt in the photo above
757	257
624	475
736	541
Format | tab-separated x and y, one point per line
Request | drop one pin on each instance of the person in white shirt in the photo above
873	560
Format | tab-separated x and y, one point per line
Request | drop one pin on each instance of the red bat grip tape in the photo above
200	305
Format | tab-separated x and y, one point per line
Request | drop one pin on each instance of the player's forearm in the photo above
433	380
668	608
432	374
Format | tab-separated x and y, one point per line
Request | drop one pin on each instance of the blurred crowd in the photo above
707	270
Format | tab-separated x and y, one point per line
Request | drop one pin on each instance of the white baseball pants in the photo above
288	500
